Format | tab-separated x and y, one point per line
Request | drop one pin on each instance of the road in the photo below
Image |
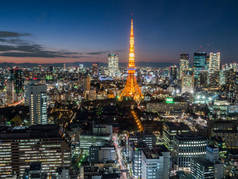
14	104
119	156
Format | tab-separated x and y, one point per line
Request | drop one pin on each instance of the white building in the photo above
187	83
214	62
113	67
155	163
37	97
183	64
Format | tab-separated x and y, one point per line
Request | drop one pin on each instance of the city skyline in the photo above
62	32
118	89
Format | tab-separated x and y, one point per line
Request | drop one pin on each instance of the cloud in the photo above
98	53
13	44
13	41
35	54
6	34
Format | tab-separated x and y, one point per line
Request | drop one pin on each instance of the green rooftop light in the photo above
169	100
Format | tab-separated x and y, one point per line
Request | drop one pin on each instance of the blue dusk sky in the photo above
52	31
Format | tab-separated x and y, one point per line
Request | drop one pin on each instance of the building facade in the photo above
214	62
155	163
113	67
37	98
21	146
189	146
183	64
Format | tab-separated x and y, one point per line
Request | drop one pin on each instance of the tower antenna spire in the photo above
131	88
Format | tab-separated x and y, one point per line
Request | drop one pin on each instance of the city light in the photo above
114	89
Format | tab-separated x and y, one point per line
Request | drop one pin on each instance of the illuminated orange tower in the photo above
131	88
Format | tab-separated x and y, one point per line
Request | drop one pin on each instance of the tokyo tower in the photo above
131	88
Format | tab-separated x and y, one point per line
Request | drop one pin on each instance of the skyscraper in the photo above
199	65
188	146
183	64
95	69
113	67
187	84
214	69
131	89
17	77
173	72
36	93
10	92
214	62
199	62
87	84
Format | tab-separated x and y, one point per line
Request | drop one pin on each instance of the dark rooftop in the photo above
156	152
190	136
35	131
177	126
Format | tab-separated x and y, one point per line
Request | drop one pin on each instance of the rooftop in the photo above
35	131
190	136
177	126
155	153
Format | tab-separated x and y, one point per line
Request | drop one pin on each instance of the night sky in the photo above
52	31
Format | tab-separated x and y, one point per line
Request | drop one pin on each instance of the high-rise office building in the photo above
37	99
214	69
199	61
17	77
21	146
214	62
87	83
137	159
230	88
170	130
203	76
183	64
189	146
95	69
214	79
86	86
173	72
113	67
10	92
199	65
187	83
